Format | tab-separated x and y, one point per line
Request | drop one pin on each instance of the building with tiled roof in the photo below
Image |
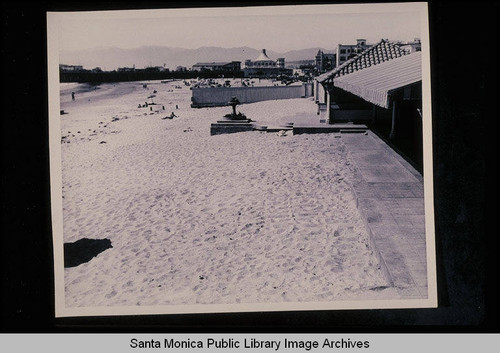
378	53
379	84
382	81
348	51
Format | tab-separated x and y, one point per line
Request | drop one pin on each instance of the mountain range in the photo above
111	58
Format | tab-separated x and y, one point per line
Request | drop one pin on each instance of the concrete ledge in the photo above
237	122
335	128
228	128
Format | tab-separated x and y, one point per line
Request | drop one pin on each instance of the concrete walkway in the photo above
390	196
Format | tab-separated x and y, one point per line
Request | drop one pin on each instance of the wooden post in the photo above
328	108
392	135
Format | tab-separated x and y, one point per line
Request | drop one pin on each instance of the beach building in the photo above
349	51
381	87
340	107
263	66
232	66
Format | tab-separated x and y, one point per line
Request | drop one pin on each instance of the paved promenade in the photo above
390	197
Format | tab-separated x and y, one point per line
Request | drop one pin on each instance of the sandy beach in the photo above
250	217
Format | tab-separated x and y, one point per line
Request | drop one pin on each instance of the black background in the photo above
464	65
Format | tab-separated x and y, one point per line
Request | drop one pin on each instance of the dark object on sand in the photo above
234	116
171	116
84	250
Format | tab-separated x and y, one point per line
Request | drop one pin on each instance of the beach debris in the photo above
202	277
282	133
379	288
102	142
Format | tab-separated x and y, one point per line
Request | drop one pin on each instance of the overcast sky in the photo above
280	28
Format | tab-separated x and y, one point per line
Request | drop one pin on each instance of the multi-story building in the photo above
349	51
325	61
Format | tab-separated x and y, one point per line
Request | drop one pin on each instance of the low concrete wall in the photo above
219	96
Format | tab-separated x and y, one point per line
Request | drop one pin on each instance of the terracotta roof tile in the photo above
378	53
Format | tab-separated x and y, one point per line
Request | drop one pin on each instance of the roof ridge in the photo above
340	70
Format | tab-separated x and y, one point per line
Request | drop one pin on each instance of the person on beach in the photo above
171	116
72	95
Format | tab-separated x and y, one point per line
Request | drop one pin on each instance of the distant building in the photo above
325	61
349	51
411	47
70	68
264	66
232	66
126	69
156	69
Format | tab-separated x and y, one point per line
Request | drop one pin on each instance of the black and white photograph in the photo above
241	159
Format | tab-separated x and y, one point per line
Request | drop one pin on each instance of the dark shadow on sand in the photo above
84	250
